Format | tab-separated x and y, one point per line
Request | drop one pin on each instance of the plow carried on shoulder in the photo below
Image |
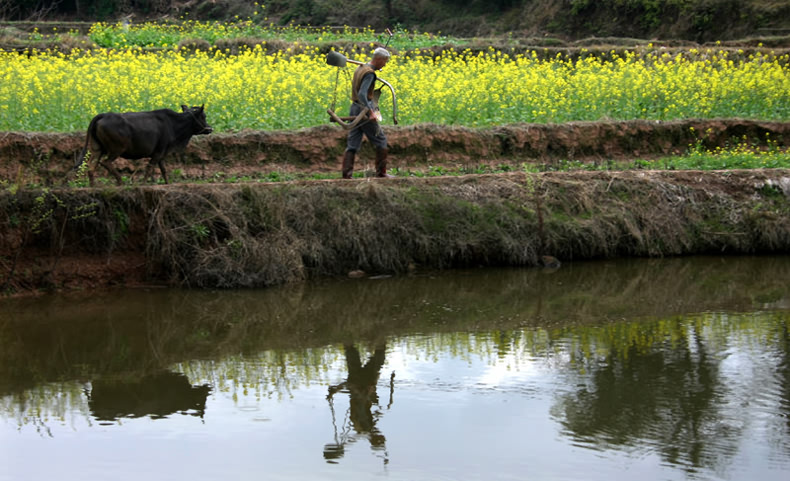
339	60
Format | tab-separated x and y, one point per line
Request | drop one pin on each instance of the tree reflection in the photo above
665	393
784	376
134	331
361	387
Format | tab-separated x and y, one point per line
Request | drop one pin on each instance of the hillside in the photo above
691	20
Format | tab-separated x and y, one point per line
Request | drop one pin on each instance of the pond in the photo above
614	370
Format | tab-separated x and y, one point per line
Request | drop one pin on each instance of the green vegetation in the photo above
695	20
742	154
248	33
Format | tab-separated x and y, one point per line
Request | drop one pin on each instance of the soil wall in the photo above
48	158
257	234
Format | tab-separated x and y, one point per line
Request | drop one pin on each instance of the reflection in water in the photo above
681	386
361	388
661	391
783	373
68	337
685	360
155	395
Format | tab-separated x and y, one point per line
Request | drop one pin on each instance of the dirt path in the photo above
45	158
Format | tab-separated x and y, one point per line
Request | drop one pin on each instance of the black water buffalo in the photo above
140	135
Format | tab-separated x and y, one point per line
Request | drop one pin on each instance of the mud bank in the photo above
46	158
250	235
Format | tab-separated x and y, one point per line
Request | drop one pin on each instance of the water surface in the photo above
630	369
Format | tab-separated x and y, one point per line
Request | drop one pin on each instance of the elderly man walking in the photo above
362	95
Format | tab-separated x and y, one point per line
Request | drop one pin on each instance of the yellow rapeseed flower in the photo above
257	90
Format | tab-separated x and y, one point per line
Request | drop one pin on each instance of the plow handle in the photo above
349	123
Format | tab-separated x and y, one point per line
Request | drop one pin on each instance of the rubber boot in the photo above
348	164
381	163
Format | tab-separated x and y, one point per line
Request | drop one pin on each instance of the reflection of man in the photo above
361	387
362	95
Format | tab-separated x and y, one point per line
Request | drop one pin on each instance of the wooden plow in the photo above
339	60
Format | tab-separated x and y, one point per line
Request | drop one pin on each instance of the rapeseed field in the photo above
256	89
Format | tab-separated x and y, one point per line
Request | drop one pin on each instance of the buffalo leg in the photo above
149	171
161	162
108	165
93	162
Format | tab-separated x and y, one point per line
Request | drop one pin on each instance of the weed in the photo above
122	221
81	178
771	191
199	231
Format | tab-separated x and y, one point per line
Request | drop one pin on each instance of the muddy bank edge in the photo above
254	235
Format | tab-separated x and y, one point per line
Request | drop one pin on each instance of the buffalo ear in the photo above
201	107
184	108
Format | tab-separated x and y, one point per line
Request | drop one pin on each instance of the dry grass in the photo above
248	235
263	234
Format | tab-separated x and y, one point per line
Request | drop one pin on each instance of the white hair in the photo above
381	52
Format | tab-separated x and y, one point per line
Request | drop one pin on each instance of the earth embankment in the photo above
262	234
48	158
